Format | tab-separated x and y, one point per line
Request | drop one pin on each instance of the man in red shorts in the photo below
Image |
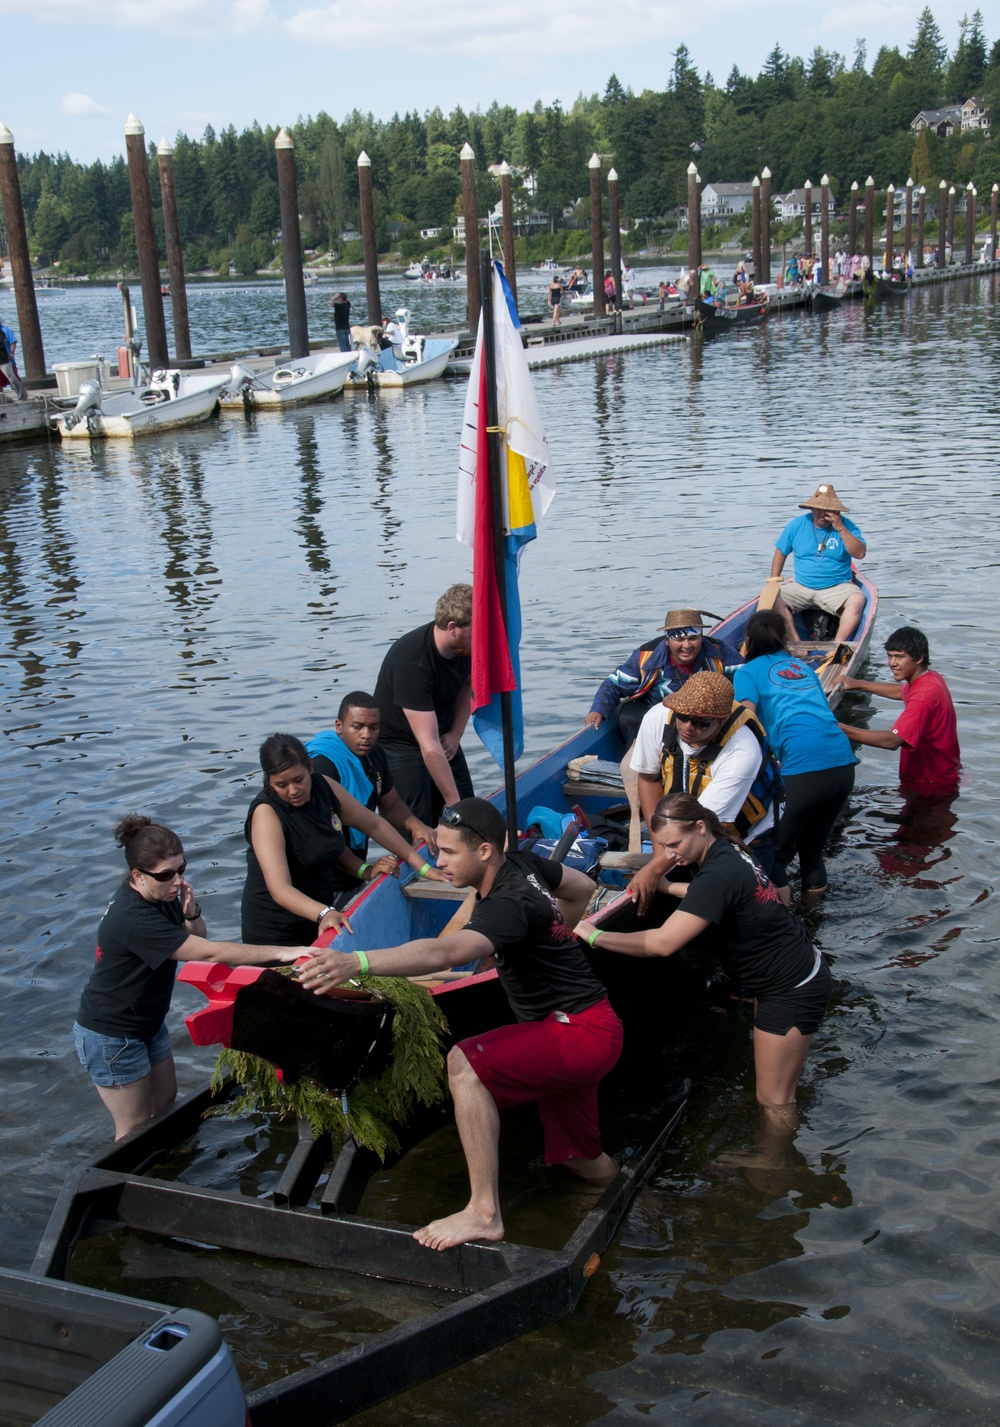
566	1038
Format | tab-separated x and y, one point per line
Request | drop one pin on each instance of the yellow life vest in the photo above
696	774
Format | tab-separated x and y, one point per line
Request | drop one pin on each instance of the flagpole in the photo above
495	449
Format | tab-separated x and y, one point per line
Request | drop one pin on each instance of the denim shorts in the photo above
119	1060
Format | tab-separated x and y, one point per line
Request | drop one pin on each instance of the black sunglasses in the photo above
165	876
700	723
451	817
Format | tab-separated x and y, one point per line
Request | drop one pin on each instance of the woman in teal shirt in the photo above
817	763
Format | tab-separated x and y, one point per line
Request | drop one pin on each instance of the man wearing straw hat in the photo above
823	544
659	668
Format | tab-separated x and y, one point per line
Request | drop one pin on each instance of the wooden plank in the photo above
592	790
419	888
624	861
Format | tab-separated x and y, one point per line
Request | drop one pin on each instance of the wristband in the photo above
423	871
591	940
323	914
362	962
193	916
360	874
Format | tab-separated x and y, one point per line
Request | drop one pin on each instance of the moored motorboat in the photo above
413	360
291	383
172	398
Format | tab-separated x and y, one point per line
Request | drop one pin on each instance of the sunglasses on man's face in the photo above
699	723
166	876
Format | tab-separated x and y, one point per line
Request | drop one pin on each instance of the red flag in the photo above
492	671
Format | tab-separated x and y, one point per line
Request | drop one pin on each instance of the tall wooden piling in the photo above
694	227
870	220
614	222
291	246
852	222
765	223
758	266
908	224
175	253
145	242
824	230
970	223
369	246
470	210
942	222
951	223
507	227
890	227
993	222
597	236
29	329
921	215
807	235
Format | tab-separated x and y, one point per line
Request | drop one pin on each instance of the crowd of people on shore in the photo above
740	767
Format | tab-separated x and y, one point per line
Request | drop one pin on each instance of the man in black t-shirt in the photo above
350	754
423	692
567	1037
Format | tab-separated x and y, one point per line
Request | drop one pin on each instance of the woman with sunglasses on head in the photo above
765	948
153	922
817	761
300	868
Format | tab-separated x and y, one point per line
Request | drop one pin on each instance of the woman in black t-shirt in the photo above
152	923
765	948
300	869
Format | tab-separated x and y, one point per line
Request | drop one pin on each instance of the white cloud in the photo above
81	106
181	19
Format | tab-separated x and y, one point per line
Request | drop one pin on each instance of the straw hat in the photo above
824	499
704	695
683	619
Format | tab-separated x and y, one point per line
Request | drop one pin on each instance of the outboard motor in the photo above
366	359
241	379
88	399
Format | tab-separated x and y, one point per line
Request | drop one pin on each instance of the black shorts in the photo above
801	1007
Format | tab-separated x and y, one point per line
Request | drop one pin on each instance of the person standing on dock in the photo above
423	692
555	298
566	1039
342	320
926	732
8	367
823	544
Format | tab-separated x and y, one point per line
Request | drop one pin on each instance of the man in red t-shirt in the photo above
925	732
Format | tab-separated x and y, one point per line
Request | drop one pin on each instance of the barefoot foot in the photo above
460	1228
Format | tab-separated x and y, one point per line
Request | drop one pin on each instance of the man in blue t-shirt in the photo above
823	544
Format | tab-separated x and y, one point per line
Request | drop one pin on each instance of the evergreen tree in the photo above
927	51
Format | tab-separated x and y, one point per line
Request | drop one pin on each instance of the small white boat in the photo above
415	359
311	378
46	288
172	398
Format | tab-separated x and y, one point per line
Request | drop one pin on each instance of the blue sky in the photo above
75	68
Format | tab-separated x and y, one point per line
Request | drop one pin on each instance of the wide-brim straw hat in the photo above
704	695
683	619
824	499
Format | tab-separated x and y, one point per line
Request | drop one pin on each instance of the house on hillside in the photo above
722	202
792	205
975	115
942	121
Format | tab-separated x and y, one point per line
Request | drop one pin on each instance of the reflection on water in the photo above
164	607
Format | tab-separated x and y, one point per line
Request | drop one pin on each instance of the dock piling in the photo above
758	266
470	209
145	242
870	220
970	223
942	222
597	237
291	246
614	221
890	226
369	246
29	329
765	222
807	236
694	227
852	222
507	228
824	230
908	225
921	214
951	224
175	254
993	223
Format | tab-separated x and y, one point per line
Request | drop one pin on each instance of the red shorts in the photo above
558	1063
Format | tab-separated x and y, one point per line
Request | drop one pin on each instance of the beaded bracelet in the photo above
362	962
423	871
360	874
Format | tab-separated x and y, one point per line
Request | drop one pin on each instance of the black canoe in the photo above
886	287
825	299
719	317
162	1184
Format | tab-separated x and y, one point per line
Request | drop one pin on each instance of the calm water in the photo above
164	607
